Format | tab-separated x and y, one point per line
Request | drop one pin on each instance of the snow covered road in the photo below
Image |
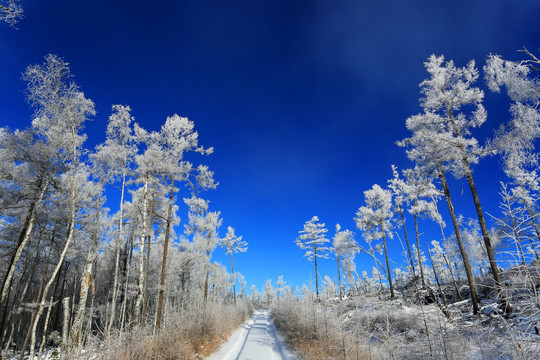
256	339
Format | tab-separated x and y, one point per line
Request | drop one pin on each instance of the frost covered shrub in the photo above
188	334
314	329
386	320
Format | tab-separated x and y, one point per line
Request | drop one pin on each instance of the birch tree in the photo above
92	193
146	164
54	140
61	110
115	157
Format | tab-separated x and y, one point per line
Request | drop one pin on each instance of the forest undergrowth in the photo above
419	323
192	334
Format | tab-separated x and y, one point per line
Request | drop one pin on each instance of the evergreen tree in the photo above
312	238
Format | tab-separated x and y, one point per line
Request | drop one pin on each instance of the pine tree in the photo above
312	238
233	245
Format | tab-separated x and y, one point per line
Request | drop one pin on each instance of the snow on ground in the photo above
256	339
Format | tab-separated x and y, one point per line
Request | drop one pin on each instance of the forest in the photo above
474	292
79	280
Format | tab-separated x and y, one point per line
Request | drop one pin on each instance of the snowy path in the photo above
256	339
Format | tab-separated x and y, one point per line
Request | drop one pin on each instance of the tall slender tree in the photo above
375	220
115	157
397	185
177	137
313	239
62	108
515	140
233	244
345	248
442	139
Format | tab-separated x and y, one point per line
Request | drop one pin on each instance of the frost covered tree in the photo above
442	140
255	295
115	157
268	294
313	239
421	195
61	110
55	141
398	185
475	246
375	220
93	225
329	290
280	287
514	225
11	11
345	248
145	173
515	140
204	226
176	138
233	244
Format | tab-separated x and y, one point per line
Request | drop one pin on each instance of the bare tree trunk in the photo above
234	278
481	219
149	242
24	237
90	315
119	241
140	291
10	340
45	326
448	263
418	251
164	261
207	276
68	240
127	267
17	321
407	241
30	333
18	297
64	281
338	258
464	256
392	293
487	242
65	325
86	278
316	271
445	308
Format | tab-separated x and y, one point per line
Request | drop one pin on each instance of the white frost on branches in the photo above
313	239
11	11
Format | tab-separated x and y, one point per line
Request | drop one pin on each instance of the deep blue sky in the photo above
302	100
